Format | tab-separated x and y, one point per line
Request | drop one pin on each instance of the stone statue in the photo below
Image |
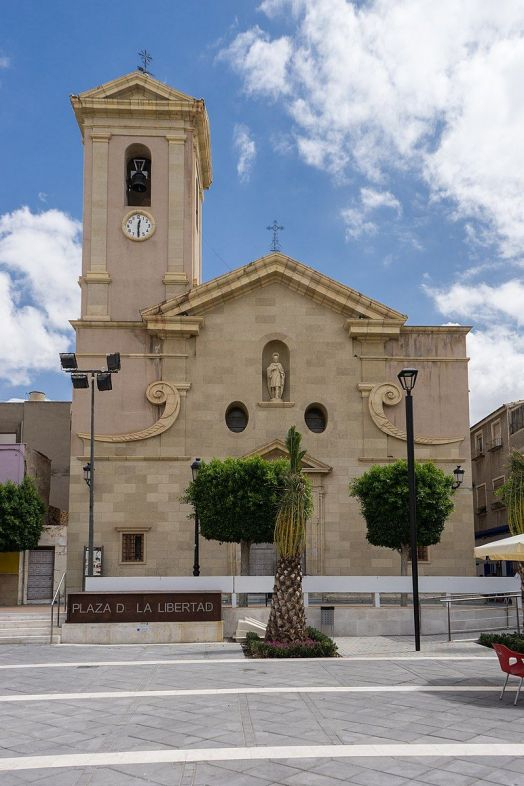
276	377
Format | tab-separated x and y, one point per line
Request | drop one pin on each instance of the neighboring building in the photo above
195	361
492	441
35	440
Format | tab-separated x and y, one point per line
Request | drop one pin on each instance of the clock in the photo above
138	225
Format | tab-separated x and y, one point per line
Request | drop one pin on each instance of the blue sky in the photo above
385	136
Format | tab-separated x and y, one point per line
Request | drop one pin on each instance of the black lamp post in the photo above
80	380
195	466
407	378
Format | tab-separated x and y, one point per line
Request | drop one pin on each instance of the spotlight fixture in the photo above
79	381
113	361
68	361
103	381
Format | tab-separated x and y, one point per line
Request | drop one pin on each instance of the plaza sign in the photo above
144	607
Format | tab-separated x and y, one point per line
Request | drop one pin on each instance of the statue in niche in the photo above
276	377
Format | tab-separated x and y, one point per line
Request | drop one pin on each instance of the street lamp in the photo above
407	378
458	472
195	466
80	380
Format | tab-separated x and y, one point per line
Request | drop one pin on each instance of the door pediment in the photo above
277	450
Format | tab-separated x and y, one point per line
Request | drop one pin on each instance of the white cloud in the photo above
246	149
496	348
483	302
39	265
373	200
356	219
263	62
412	84
496	369
5	62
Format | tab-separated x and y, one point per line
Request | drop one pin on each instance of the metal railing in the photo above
502	612
59	599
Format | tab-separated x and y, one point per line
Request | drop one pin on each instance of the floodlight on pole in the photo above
82	379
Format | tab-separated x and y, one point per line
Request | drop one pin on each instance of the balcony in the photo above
480	511
497	505
478	453
496	444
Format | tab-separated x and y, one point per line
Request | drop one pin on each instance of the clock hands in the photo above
138	227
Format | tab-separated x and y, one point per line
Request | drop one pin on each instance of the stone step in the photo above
247	625
40	639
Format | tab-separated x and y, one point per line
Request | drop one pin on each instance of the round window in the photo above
316	418
236	417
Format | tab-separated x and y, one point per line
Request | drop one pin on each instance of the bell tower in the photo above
147	164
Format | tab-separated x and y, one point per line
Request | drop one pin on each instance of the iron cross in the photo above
146	60
275	244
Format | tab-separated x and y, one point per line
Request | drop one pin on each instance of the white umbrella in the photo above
507	548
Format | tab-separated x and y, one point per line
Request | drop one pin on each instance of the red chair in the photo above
505	655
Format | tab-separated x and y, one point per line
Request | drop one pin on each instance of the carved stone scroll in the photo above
159	392
389	394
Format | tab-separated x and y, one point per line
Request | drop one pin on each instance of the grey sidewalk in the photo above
402	703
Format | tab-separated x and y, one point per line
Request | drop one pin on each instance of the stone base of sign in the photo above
141	632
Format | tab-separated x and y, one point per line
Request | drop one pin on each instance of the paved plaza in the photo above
203	715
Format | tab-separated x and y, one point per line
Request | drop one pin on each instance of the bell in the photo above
138	182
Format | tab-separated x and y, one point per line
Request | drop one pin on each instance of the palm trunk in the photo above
287	618
404	559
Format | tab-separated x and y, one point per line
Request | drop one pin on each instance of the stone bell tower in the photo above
147	163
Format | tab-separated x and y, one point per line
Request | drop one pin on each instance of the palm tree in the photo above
287	617
512	494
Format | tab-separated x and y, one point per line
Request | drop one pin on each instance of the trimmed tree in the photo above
237	500
383	494
287	617
21	515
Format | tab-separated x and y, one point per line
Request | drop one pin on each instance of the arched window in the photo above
138	176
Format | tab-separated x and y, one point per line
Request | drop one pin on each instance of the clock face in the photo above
138	226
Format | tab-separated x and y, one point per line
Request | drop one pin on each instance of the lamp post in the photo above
80	380
195	466
407	378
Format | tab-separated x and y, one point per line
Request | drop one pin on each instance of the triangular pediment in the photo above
135	85
275	267
277	450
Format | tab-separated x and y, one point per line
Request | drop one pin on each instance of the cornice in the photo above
169	327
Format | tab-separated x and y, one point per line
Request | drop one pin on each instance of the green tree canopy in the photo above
21	516
237	498
384	499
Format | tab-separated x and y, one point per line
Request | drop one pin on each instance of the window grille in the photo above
132	547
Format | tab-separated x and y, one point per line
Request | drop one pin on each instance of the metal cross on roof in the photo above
146	60
275	243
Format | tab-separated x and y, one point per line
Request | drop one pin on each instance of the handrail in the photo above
57	599
505	596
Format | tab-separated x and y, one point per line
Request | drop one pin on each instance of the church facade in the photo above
225	367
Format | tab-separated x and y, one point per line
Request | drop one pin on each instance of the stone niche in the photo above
283	357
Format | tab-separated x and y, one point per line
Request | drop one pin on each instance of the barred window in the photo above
132	547
422	554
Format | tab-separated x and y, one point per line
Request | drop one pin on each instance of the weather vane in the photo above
146	59
275	243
